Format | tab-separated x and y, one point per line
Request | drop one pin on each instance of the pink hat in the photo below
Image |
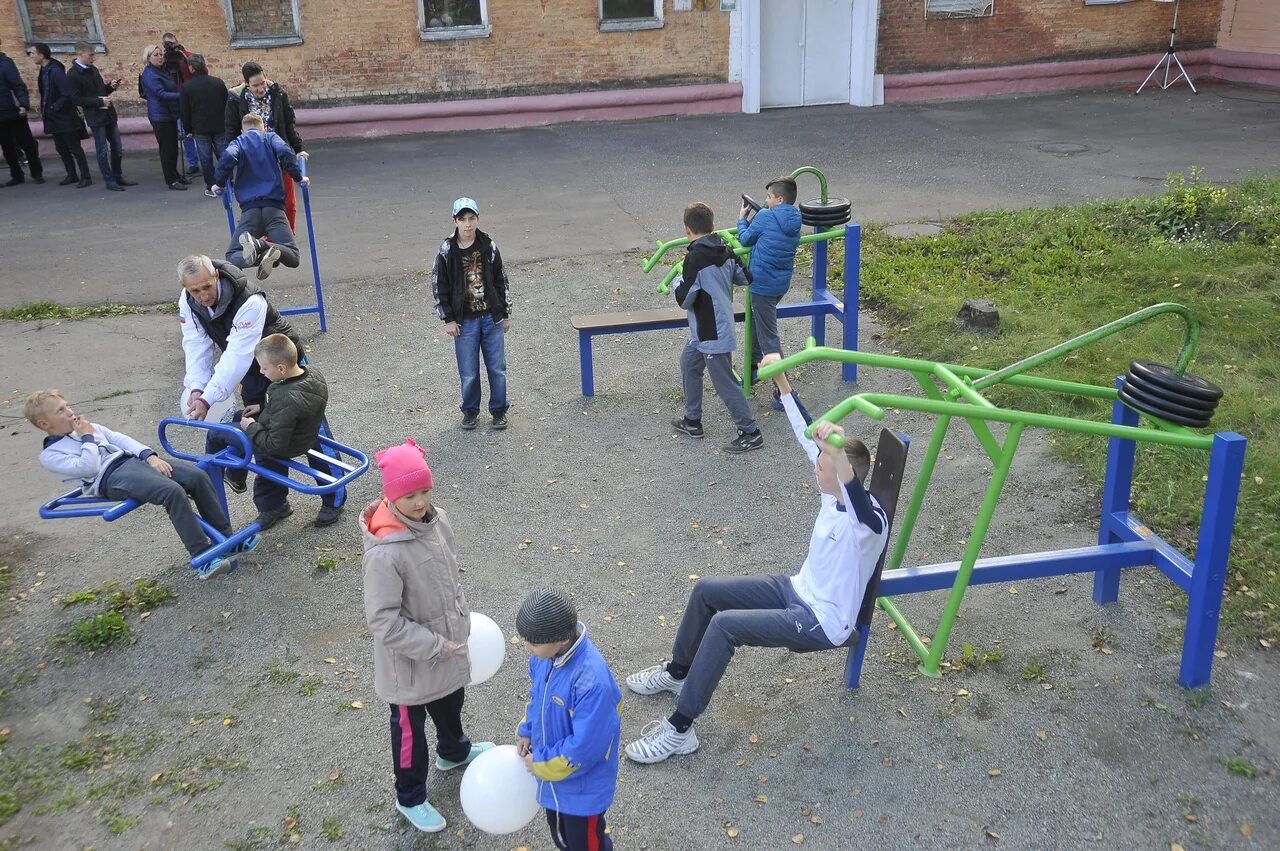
404	469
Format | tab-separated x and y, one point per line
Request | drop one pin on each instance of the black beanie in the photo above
547	616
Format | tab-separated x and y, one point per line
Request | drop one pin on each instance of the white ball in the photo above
498	793
486	647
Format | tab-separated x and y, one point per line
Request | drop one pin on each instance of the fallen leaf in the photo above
357	704
754	738
798	838
1246	831
992	833
902	712
228	721
764	778
1191	817
1042	735
963	692
335	774
1176	846
807	746
732	832
290	822
155	778
761	799
741	763
788	680
815	819
993	772
1220	654
888	763
806	811
332	661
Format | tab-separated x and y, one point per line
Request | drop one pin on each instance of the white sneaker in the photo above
268	262
249	248
660	740
654	680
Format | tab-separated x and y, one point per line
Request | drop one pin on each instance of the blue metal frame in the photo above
228	194
76	504
1124	541
824	304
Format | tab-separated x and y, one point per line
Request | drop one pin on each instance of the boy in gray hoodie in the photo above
705	289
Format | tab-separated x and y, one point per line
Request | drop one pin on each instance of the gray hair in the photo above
197	64
194	265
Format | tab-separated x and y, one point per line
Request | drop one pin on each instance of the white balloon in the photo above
498	793
486	647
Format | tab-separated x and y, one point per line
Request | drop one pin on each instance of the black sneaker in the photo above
238	484
693	428
269	518
69	180
746	441
500	421
468	421
327	516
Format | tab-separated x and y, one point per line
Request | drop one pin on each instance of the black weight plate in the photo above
1182	385
1140	395
839	215
1160	396
832	205
825	224
1160	413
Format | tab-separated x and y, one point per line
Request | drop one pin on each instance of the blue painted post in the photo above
228	195
311	241
1204	601
818	322
1116	490
853	664
584	364
852	286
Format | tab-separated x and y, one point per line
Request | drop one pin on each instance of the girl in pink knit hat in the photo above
420	622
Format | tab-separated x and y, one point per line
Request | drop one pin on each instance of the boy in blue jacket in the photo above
705	289
254	159
773	235
571	729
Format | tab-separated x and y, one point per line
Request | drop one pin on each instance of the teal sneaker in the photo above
477	748
424	817
216	568
248	545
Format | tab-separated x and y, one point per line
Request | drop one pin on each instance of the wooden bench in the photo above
667	318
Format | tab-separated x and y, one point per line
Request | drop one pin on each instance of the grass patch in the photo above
98	632
1056	273
145	595
41	311
75	598
331	828
1240	767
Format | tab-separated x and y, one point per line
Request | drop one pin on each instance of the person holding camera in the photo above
177	64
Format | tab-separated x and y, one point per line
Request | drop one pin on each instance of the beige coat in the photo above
414	605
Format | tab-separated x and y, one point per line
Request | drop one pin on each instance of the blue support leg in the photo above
853	663
228	195
311	242
852	286
1204	601
818	322
1116	490
584	364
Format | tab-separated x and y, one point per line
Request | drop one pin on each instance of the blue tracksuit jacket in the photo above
256	158
574	723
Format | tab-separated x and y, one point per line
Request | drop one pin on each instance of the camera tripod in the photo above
1169	59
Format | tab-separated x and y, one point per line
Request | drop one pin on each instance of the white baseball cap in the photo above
465	203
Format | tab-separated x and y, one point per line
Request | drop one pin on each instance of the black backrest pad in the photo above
886	484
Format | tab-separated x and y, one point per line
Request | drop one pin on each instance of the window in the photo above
1105	2
61	23
630	15
262	23
447	19
959	8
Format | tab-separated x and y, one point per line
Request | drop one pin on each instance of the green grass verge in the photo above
1056	273
40	311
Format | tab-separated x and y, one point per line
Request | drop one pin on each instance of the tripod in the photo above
1170	57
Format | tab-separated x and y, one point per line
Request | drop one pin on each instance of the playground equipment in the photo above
1124	541
237	456
821	304
228	194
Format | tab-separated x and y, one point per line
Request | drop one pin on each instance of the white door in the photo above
805	51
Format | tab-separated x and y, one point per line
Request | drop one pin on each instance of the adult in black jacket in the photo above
270	102
15	132
203	104
62	120
93	94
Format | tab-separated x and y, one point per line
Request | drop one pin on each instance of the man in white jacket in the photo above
102	462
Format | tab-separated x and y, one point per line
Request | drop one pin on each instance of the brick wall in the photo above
370	51
1250	25
1024	31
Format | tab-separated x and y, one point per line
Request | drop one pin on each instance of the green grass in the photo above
145	595
1240	767
98	632
1056	273
50	310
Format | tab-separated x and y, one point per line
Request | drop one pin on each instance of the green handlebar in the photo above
822	178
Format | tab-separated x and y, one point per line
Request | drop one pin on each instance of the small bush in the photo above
100	631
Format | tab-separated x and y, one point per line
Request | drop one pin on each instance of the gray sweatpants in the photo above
268	222
692	364
727	612
136	479
764	327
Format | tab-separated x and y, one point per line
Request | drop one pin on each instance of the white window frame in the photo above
630	24
483	30
276	40
1105	2
64	45
936	9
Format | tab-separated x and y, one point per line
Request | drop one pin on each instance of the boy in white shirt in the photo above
813	610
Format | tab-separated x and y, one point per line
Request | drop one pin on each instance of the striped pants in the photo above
579	833
409	752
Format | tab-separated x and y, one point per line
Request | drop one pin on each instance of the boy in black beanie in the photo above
570	734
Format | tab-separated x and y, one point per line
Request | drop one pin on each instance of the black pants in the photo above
69	148
136	479
167	138
268	495
578	833
14	134
409	750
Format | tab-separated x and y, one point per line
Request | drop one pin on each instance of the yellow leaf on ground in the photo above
754	738
1246	831
335	774
798	838
993	772
761	799
732	832
357	704
1176	846
331	661
741	763
1042	735
815	819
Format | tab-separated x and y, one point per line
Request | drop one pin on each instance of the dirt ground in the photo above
243	714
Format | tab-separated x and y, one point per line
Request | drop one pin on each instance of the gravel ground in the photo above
242	688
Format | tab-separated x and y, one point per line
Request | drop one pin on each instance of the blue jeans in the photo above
108	162
209	147
477	335
188	147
